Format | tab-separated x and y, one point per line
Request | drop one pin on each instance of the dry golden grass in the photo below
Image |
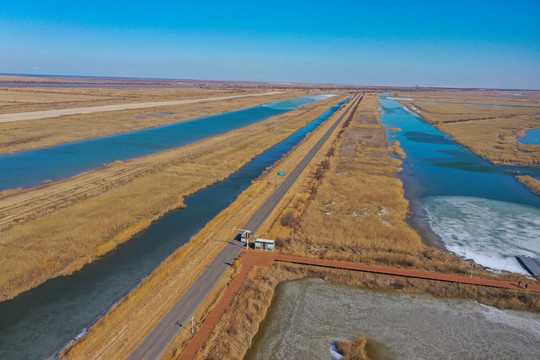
32	134
531	183
352	187
118	333
490	132
355	349
527	98
68	224
233	335
302	228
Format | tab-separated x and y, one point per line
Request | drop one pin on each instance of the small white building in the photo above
265	244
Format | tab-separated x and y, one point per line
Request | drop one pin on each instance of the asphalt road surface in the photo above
159	339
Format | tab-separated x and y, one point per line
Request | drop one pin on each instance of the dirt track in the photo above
34	115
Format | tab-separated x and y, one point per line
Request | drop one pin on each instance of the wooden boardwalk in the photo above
252	258
404	272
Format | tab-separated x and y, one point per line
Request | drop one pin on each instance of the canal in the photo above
39	322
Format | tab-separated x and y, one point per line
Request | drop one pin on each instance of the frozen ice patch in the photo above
399	98
334	352
490	232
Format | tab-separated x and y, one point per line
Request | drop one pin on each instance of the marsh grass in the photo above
32	134
353	211
108	208
355	349
489	132
117	333
531	183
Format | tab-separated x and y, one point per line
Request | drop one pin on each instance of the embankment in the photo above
57	229
118	333
350	207
38	133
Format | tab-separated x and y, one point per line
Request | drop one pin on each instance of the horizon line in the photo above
266	82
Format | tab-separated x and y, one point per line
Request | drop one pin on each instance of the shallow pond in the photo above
307	316
532	137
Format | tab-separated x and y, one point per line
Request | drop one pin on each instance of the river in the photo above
30	168
41	321
476	209
307	316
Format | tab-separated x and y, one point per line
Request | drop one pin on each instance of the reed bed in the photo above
490	132
118	333
349	206
65	235
531	183
526	98
32	134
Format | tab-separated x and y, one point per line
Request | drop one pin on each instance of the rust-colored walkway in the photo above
259	258
248	260
404	272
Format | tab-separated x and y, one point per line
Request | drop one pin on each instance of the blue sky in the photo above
427	43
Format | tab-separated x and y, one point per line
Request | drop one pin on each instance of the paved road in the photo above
34	115
155	344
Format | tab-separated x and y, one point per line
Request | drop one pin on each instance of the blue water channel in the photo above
478	210
39	322
532	137
30	168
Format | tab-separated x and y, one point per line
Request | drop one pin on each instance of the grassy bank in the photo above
525	98
233	335
490	132
349	207
32	134
57	229
118	333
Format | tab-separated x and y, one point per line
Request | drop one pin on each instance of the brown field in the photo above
527	97
31	134
487	131
329	216
58	228
118	333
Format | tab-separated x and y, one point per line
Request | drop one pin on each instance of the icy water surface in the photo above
307	316
478	210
